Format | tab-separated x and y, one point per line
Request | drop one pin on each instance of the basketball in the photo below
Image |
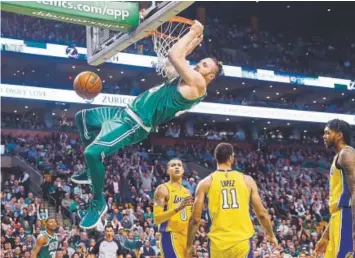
87	85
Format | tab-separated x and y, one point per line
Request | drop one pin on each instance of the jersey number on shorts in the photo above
183	214
229	199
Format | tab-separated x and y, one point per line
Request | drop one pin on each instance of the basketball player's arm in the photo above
260	211
201	191
160	196
177	57
41	241
170	69
325	234
346	161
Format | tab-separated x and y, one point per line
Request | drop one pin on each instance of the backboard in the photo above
102	44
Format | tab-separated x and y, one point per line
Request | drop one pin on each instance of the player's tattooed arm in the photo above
160	198
259	209
41	241
326	233
346	161
201	191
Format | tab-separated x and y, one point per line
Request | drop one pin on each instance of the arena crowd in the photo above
292	183
234	44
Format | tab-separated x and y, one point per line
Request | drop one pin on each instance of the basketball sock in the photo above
96	167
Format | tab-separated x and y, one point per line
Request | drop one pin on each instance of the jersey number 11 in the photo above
229	199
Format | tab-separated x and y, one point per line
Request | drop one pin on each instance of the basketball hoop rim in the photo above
172	19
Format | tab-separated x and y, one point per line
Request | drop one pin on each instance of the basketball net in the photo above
164	37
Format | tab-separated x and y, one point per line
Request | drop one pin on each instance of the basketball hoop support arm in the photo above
146	12
162	15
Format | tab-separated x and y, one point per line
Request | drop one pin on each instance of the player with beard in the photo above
229	195
171	211
338	239
47	242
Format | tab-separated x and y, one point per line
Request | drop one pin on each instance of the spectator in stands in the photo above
74	207
146	178
45	188
67	201
42	213
25	181
146	250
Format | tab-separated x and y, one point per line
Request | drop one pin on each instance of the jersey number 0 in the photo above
183	214
229	199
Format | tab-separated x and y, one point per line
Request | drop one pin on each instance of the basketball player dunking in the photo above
229	194
338	240
105	130
171	211
47	243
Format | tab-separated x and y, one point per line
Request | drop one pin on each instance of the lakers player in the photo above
338	240
172	211
229	194
47	243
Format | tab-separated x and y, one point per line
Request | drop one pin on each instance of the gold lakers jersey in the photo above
228	207
339	194
179	222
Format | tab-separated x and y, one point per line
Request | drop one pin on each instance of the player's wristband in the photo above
161	216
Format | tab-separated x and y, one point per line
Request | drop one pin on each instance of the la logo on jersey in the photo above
178	199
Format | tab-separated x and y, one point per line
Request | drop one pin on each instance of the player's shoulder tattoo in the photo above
346	160
161	194
42	239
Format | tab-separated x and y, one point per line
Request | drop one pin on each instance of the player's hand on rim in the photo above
196	41
197	27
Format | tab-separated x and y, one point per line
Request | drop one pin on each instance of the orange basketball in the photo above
87	85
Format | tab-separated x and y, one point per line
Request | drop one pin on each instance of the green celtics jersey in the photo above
162	103
49	250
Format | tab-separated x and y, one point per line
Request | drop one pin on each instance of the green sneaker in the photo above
95	211
81	178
